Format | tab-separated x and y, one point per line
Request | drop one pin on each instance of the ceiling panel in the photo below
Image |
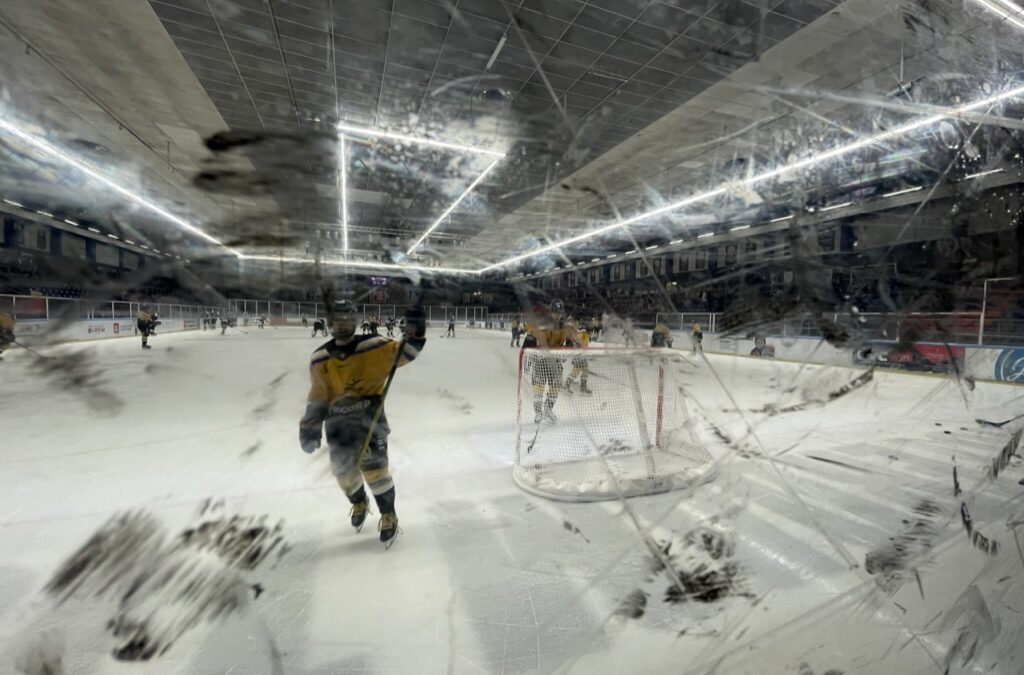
619	64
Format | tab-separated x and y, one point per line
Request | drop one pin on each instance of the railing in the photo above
311	310
42	308
684	321
953	327
1002	324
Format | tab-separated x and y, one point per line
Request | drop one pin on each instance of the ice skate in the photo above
358	513
388	527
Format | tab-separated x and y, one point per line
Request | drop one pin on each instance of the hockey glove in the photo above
309	439
415	321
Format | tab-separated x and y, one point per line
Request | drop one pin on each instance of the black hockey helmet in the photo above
342	309
341	316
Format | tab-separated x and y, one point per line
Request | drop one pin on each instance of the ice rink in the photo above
833	531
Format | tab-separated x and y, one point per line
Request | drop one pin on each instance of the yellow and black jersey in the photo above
546	338
348	375
581	339
6	329
144	317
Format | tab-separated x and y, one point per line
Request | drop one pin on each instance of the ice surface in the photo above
489	579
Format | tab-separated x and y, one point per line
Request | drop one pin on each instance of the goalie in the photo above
548	331
580	368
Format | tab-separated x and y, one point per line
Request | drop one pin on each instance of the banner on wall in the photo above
1009	365
917	356
28	328
762	348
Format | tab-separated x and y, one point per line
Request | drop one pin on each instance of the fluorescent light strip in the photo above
613	255
677	241
608	228
993	7
53	151
705	235
902	192
44	213
8	201
342	262
809	161
93	229
129	241
631	252
454	204
594	259
114	236
779	220
982	173
70	222
739	227
836	206
651	248
343	168
416	140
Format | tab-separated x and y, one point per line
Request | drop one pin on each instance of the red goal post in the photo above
630	435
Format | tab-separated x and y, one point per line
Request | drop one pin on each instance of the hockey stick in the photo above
30	350
997	425
380	406
529	448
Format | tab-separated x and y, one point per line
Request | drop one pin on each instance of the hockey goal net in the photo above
597	424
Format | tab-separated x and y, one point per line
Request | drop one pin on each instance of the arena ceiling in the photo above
225	113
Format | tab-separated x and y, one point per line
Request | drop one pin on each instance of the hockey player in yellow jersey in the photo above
348	377
6	332
661	336
580	367
546	331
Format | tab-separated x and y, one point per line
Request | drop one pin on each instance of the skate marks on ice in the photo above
822	388
569	527
891	560
698	567
262	412
457	403
268	397
77	373
44	655
164	587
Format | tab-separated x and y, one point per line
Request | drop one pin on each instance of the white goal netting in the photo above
597	424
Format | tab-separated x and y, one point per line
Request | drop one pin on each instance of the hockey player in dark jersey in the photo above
146	323
319	326
348	377
389	323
